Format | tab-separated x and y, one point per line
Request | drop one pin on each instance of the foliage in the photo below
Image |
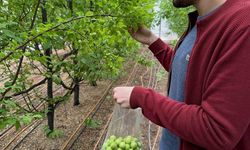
91	123
177	17
89	41
144	61
56	133
8	118
160	74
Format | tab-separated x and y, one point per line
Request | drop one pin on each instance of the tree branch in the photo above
27	104
7	56
22	107
67	94
65	86
15	77
31	103
29	89
36	67
68	54
18	70
35	14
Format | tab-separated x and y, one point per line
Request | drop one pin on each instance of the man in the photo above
208	105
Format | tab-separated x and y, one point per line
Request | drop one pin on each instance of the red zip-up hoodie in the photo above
216	112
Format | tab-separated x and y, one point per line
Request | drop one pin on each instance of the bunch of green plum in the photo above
120	143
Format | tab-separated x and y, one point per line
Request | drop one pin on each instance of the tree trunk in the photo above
48	52
76	92
76	79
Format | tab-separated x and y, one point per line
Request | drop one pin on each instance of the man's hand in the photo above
122	96
143	35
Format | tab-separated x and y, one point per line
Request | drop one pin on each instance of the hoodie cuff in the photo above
136	96
157	45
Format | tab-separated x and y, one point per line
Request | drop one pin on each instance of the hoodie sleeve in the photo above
162	52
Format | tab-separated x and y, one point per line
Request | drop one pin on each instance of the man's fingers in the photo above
119	101
115	96
115	93
131	30
121	96
123	105
115	89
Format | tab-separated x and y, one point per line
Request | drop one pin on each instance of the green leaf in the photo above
3	25
92	123
37	116
10	104
7	84
56	133
9	33
89	13
2	90
17	125
7	121
56	79
26	119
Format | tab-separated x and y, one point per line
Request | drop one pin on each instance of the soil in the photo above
68	117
